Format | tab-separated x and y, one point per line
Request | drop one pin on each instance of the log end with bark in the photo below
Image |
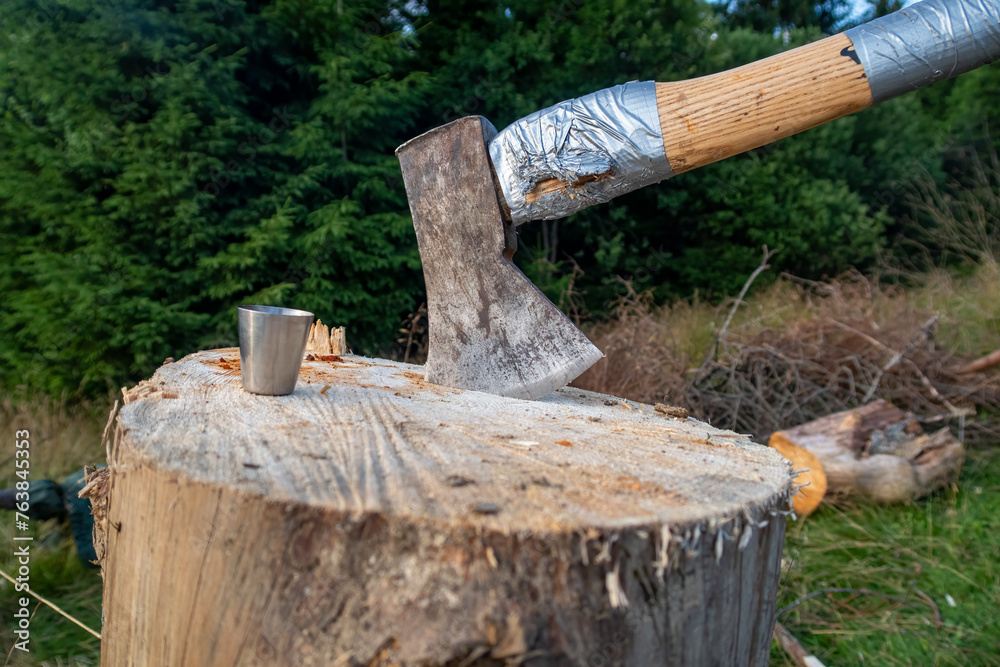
876	452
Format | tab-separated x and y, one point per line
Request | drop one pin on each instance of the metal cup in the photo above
272	342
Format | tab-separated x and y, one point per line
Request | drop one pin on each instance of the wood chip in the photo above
325	389
671	411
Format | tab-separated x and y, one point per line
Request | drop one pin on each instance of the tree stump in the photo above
371	518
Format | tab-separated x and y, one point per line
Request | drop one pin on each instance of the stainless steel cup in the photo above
272	342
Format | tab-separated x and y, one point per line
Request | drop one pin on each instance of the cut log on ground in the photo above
371	518
877	451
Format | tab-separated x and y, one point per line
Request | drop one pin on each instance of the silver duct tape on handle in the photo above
925	43
598	146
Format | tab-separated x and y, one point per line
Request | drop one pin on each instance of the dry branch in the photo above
980	364
793	648
721	337
50	604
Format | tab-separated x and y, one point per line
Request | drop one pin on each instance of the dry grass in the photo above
957	224
645	351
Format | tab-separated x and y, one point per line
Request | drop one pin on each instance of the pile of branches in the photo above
761	379
777	379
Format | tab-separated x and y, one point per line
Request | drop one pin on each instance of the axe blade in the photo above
491	329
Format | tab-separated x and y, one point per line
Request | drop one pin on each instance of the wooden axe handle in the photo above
711	118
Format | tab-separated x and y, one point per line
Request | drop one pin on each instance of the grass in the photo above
62	441
946	545
970	317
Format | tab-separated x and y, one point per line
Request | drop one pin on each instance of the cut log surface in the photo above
371	518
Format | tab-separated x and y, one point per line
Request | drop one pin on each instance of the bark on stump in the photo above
373	519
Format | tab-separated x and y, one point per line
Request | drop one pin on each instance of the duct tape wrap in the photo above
926	42
598	146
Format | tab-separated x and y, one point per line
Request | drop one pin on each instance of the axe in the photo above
468	186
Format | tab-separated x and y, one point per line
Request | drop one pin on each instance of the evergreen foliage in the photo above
167	160
765	15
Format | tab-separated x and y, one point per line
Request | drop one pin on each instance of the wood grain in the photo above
371	518
708	119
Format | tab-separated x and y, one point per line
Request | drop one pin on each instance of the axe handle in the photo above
711	118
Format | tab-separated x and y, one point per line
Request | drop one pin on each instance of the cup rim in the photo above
277	310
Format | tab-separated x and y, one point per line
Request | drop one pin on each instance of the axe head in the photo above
491	329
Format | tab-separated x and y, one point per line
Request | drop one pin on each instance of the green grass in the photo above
948	544
970	320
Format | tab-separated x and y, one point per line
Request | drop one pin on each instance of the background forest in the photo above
164	161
